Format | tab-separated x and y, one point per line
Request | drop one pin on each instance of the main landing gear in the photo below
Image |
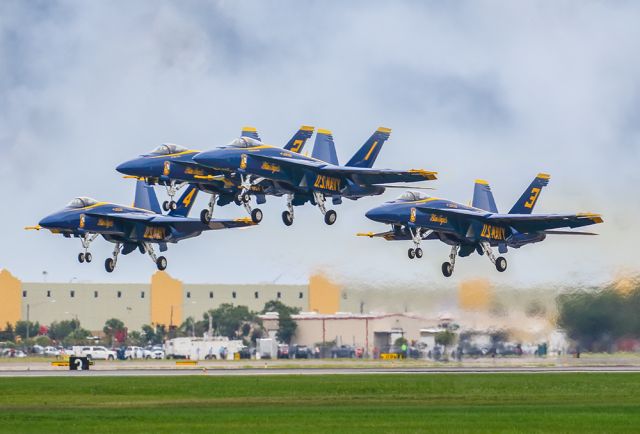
447	267
172	190
242	199
499	262
110	263
330	216
86	242
287	216
160	261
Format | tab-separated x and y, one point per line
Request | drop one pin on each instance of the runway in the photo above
203	371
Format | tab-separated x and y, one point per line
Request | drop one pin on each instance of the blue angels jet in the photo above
309	179
475	228
132	227
172	166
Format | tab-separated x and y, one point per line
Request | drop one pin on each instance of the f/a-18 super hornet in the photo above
172	166
132	227
309	179
477	228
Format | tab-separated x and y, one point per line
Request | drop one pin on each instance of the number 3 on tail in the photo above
532	200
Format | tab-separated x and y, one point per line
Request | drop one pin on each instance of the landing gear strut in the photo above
447	267
330	216
499	262
244	198
160	261
206	214
416	251
172	190
110	263
287	216
86	242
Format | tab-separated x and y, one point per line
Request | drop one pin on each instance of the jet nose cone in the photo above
376	214
209	159
49	221
131	167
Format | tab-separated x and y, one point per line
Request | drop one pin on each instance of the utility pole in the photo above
28	308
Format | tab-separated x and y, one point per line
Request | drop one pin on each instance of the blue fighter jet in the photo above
475	228
309	179
132	227
172	166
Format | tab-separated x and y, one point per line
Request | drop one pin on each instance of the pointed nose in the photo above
377	214
210	159
132	167
50	221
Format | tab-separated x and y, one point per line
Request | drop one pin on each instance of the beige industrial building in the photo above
372	332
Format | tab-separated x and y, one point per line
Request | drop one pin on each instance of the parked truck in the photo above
267	348
215	348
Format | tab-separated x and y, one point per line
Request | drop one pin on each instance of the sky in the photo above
497	90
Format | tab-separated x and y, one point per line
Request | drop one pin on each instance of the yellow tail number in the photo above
493	232
296	145
532	200
188	198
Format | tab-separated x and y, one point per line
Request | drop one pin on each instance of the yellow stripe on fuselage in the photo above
177	154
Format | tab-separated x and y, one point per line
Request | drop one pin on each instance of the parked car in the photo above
343	352
155	352
11	352
301	352
133	353
283	351
51	352
95	353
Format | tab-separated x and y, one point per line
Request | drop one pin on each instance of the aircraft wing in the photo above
453	212
126	216
365	176
542	222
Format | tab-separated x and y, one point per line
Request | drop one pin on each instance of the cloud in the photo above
473	89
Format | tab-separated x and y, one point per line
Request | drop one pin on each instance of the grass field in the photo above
493	403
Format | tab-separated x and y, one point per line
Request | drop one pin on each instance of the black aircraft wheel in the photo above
173	205
236	200
245	198
501	264
161	262
256	215
287	218
447	269
88	257
165	205
330	217
109	265
81	257
205	216
418	253
411	253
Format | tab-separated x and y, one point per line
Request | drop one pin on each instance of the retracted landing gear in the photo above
287	216
447	267
499	262
110	263
86	242
172	190
330	216
160	261
416	251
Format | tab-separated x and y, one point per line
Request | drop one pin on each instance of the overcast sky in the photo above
493	90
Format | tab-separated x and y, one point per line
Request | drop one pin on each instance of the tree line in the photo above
233	322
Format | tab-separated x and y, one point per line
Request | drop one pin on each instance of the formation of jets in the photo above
247	170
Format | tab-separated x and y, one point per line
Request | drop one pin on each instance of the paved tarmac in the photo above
203	371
